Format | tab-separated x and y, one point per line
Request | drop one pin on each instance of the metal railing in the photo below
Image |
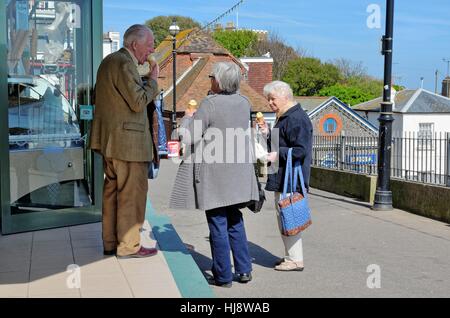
414	158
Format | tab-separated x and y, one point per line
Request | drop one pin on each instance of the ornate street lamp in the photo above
174	29
383	195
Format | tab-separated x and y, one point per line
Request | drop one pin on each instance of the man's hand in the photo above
272	156
154	68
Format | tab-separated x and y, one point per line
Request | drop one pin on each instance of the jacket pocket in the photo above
134	126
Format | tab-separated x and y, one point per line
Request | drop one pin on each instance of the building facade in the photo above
49	54
111	43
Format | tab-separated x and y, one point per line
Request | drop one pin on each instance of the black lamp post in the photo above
173	30
383	195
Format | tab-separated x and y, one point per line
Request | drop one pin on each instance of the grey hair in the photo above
228	76
278	88
136	32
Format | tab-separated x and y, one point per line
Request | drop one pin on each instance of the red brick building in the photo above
196	54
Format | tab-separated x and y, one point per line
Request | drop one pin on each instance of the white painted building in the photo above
111	43
421	132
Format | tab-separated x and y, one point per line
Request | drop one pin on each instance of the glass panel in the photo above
49	76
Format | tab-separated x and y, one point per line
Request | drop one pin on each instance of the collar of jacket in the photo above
289	111
133	58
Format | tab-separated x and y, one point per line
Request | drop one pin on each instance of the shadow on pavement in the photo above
261	256
349	200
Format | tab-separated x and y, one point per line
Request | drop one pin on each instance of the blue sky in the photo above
327	29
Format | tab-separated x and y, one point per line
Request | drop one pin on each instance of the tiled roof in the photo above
194	82
309	103
188	41
401	99
201	42
164	49
411	101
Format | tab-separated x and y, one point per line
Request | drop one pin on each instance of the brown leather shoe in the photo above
143	252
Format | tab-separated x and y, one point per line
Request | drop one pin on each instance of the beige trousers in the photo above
292	244
124	201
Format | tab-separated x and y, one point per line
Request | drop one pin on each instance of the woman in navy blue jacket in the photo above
293	129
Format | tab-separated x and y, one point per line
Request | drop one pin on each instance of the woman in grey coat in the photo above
217	174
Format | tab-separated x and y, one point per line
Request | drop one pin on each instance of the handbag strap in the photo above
288	174
299	172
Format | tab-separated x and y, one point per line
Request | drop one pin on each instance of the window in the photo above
425	135
330	126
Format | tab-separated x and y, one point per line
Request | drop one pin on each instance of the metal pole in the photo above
436	81
448	160
383	195
174	91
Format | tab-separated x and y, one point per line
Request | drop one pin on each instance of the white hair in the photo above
136	32
278	88
228	76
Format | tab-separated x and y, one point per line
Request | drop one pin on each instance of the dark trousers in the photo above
226	231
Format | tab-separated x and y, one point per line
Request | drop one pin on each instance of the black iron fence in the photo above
414	157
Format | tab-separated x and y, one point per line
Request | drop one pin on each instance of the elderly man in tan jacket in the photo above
121	133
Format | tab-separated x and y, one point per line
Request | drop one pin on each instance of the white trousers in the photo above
292	244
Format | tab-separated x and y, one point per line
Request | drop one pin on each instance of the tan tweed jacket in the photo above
120	129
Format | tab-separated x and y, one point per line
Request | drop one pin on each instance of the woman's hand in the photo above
272	156
263	128
189	112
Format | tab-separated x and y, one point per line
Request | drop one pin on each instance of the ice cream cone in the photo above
260	118
192	105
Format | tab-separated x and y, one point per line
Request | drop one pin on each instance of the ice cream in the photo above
260	118
192	105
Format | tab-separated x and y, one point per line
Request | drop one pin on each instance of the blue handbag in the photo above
295	213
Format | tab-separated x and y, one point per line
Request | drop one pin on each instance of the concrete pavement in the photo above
345	241
344	249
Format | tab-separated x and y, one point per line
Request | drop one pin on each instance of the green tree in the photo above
372	86
279	50
398	88
351	95
160	25
307	75
237	42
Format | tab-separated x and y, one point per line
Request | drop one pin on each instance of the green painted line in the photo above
189	279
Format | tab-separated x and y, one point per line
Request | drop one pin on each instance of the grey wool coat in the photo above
217	169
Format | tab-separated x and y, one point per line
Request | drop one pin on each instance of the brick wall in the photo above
446	87
259	74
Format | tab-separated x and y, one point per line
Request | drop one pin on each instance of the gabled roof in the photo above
411	101
193	82
188	41
201	42
309	103
164	49
345	109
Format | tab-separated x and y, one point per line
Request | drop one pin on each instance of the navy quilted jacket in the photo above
295	131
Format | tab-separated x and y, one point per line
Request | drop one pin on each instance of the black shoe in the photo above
212	281
244	278
109	253
281	260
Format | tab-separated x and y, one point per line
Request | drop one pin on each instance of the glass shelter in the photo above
49	54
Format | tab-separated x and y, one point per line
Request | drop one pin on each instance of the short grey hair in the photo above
278	88
136	32
228	76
